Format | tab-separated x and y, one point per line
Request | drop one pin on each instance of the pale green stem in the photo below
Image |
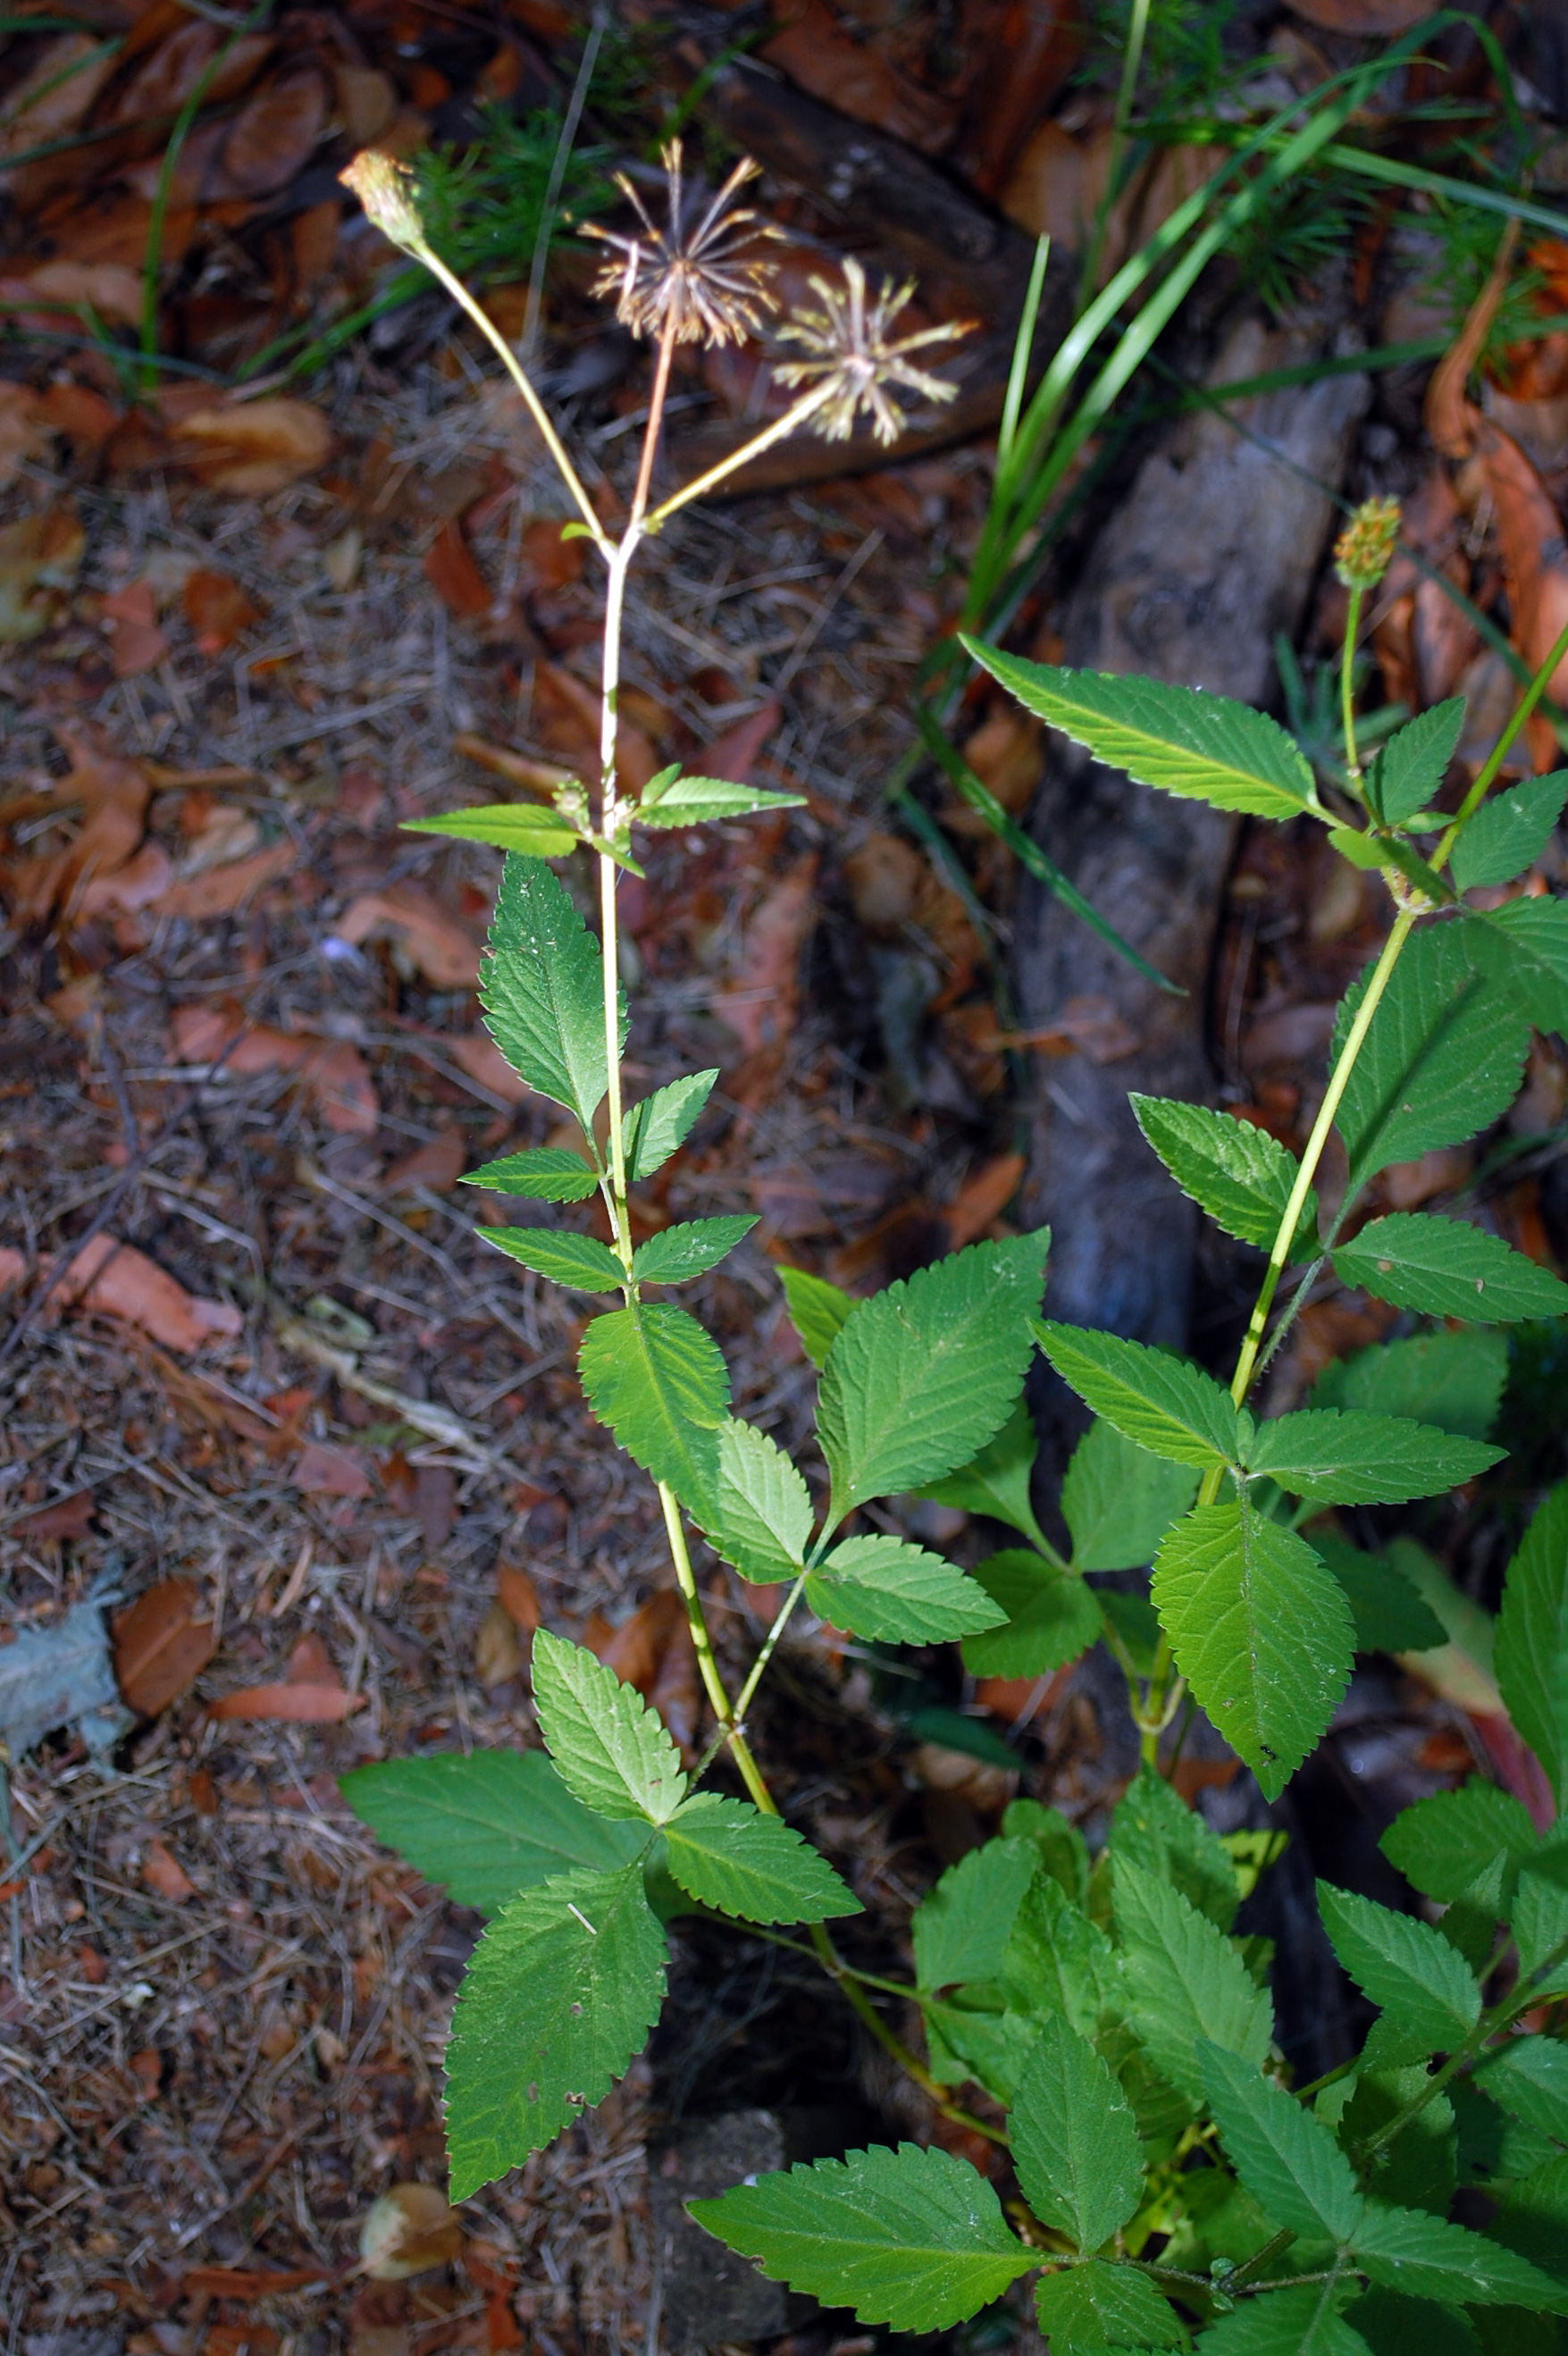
743	1700
610	942
1347	684
1501	751
795	415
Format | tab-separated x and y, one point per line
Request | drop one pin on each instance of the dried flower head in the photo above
385	189
854	362
1365	548
690	280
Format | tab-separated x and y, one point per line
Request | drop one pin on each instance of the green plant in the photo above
1107	2007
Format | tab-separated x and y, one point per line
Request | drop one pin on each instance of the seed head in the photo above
689	279
384	186
1364	550
854	362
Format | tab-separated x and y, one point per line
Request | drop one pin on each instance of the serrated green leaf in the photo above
676	1254
759	1516
884	1590
1335	1459
1157	1401
962	1927
1424	1989
1364	849
1119	1501
968	2035
1531	1655
656	1379
1204	747
1052	1617
1152	1827
1098	2305
1419	2169
1494	2148
818	1310
560	1995
1539	1919
1304	2322
1411	768
1409	2250
486	1824
1238	1173
580	1261
608	1747
1522	947
524	826
689	801
1389	1615
924	1374
544	1174
998	1480
1454	1380
733	1857
1509	832
1446	1268
910	2238
541	989
1063	1851
1075	2142
1058	1961
1532	2218
1442	1842
663	1121
1442	1058
1289	2163
1529	2076
1184	1981
1261	1631
1132	1628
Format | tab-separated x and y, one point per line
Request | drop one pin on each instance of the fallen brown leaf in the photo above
329	1472
67	1517
252	446
1364	16
218	610
224	891
248	2283
816	53
452	571
984	1196
270	139
131	619
55	94
23	432
312	1695
115	1279
333	1072
410	2229
1090	1026
478	1054
13	1267
39	559
653	1651
1530	533
498	1656
446	954
566	715
518	1596
162	1871
161	1646
107	288
735	753
759	1005
439	1164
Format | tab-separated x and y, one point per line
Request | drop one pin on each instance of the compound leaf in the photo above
730	1856
1075	2142
1529	2076
486	1824
689	801
759	1517
1154	1826
1261	1631
913	2239
1508	833
656	1379
523	827
608	1747
1442	1058
1442	1842
1410	2250
1239	1175
663	1121
1531	1655
1424	1987
924	1373
1184	1981
1287	2160
1454	1380
560	1995
818	1310
1052	1617
882	1589
1522	947
542	992
1411	768
1532	2218
1447	1268
1098	2304
676	1254
1181	739
1356	1459
962	1927
997	1481
566	1257
1119	1501
1540	1919
1157	1401
546	1173
1304	2322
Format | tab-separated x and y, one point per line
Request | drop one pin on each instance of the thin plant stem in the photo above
1501	751
795	415
562	156
655	420
759	1666
1126	95
615	607
1348	685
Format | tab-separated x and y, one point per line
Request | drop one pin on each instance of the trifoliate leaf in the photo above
1424	1988
1409	2250
1532	1655
663	1121
1442	1842
608	1747
1157	1401
1509	832
1261	1631
676	1254
560	1995
962	1927
524	827
1239	1175
1446	1268
580	1261
1411	768
1184	1982
759	1517
1454	1380
655	1378
884	1589
910	2238
1118	1501
1052	1617
1335	1459
546	1173
541	989
733	1857
1204	747
924	1374
1075	2142
1289	2162
488	1824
